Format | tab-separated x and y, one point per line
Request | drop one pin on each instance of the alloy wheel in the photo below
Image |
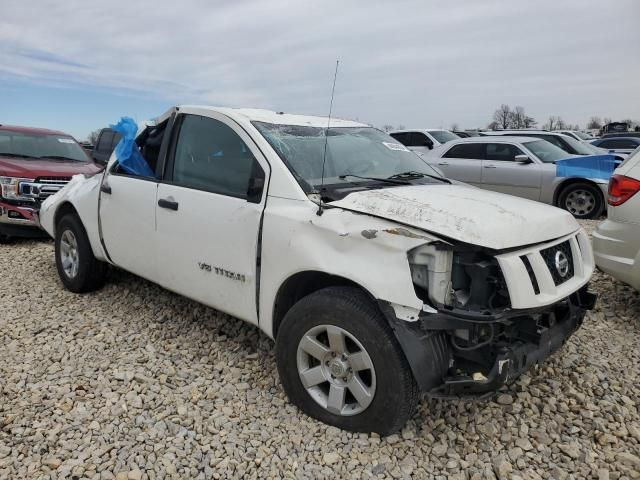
336	370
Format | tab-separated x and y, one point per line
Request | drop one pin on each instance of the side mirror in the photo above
523	159
429	145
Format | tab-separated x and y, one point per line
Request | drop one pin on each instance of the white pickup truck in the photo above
377	278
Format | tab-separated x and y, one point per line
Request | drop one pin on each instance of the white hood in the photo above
466	214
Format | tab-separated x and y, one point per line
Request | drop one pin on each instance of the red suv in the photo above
34	164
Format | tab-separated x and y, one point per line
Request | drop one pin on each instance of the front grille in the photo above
53	179
559	261
44	187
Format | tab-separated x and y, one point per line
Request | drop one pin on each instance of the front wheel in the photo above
79	270
339	362
583	200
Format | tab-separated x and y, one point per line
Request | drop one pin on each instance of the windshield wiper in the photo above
414	174
59	157
376	179
17	155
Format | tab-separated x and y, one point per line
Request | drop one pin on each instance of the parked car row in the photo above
521	163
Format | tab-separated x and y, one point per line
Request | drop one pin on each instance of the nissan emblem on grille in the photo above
559	260
561	263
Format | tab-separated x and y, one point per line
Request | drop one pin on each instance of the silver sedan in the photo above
520	166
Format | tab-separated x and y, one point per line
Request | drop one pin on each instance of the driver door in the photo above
209	209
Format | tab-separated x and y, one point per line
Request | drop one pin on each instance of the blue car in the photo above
619	145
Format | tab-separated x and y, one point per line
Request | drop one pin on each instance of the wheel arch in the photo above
572	181
64	209
304	283
68	207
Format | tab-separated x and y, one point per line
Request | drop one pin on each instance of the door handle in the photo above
443	164
168	204
490	166
105	188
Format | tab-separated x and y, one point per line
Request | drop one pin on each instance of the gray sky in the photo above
416	63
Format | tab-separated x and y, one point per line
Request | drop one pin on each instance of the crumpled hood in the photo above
466	214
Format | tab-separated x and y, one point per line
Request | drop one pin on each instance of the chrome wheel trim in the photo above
69	256
580	202
336	370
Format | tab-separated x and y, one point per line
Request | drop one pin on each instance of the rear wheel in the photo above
583	200
340	363
79	270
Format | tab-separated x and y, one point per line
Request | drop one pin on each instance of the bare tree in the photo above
502	116
607	120
401	127
92	138
454	127
519	119
493	125
594	123
554	123
387	128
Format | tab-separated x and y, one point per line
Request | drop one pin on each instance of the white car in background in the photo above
616	241
578	135
423	139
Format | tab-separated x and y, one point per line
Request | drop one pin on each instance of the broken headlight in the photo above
10	188
431	273
477	282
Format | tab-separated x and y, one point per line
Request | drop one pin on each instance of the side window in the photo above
502	152
627	144
210	156
466	150
419	139
402	137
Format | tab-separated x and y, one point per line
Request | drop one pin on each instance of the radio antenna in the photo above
326	138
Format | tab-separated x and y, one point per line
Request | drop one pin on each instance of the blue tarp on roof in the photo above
129	157
588	166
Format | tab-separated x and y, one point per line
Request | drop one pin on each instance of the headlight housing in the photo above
431	273
10	188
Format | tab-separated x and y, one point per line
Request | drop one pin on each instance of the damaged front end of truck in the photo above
486	317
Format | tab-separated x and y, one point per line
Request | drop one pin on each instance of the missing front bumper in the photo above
520	339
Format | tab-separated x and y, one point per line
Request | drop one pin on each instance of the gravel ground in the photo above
134	382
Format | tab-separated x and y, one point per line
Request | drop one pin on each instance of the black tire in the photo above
592	208
91	272
396	392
